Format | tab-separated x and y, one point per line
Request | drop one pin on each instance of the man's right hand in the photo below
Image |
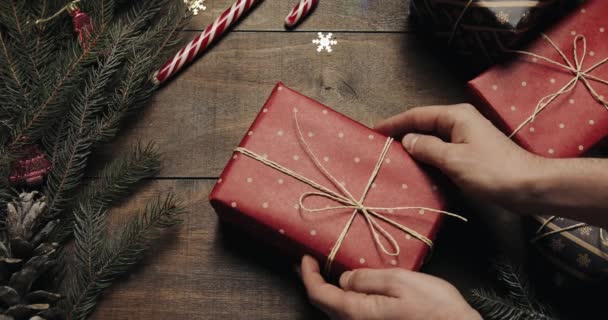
466	147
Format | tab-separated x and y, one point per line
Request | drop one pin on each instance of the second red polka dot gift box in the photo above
552	97
312	181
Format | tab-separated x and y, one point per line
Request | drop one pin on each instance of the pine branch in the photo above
42	117
117	259
519	304
13	81
67	173
92	101
88	234
491	306
65	176
116	181
515	282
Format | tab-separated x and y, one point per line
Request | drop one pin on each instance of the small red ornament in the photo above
82	25
82	22
31	168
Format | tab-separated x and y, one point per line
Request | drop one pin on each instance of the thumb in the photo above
428	149
386	282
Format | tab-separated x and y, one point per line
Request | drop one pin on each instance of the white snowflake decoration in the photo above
583	260
324	42
503	17
585	231
196	5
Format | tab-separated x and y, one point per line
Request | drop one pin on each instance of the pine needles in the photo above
102	259
69	98
519	302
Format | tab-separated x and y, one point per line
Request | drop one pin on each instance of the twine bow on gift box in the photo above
347	201
580	75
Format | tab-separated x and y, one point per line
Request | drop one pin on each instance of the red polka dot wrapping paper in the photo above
264	202
575	122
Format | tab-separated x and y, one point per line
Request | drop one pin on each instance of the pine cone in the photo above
25	258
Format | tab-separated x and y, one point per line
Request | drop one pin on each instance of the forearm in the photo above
572	188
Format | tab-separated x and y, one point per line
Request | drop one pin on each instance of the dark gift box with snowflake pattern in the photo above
480	29
575	248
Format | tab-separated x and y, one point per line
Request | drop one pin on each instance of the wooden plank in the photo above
334	15
202	272
201	115
208	271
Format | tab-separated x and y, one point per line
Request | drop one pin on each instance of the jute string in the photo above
458	20
346	200
580	75
70	7
575	226
576	68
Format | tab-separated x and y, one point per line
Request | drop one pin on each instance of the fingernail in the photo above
409	141
344	278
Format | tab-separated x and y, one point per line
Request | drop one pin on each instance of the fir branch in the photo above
491	306
92	100
519	304
119	177
53	140
116	181
67	173
515	282
88	234
171	38
117	259
13	80
43	116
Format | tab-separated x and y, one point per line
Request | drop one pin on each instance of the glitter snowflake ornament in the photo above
503	17
195	6
324	42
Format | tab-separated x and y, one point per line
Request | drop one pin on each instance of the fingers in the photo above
428	149
435	120
321	293
385	282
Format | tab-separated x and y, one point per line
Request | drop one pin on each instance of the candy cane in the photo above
203	40
299	11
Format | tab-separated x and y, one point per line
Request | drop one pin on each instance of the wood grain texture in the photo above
205	270
335	15
208	271
202	114
201	272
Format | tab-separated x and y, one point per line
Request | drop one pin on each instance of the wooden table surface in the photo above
208	271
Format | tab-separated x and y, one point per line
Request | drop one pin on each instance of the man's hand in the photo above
390	294
467	148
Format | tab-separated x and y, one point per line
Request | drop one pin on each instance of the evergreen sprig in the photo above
103	259
116	181
519	303
70	98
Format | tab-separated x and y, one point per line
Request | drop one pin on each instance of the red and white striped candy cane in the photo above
203	40
299	11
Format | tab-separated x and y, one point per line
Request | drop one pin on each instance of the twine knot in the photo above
576	67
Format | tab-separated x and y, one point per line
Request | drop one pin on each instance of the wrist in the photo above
535	185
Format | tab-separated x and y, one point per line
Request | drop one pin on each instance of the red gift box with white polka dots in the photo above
265	202
574	121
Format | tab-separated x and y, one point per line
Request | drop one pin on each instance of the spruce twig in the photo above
119	257
69	98
117	180
519	303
